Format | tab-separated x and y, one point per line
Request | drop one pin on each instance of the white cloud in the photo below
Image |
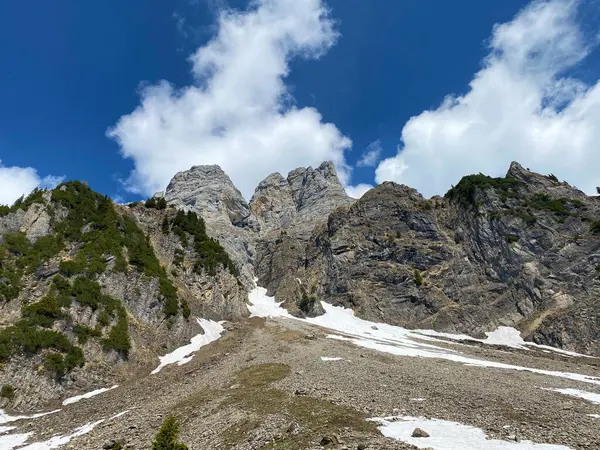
239	114
18	181
358	191
519	106
371	155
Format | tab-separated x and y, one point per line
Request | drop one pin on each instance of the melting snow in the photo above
330	358
75	399
5	418
446	435
590	396
506	336
181	355
11	441
594	416
392	339
261	305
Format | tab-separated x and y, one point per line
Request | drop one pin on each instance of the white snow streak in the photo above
506	336
594	416
181	355
446	435
5	418
331	358
75	399
589	396
388	338
11	441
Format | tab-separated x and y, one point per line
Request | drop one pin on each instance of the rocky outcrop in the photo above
521	251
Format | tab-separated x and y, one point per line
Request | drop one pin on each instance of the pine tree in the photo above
166	439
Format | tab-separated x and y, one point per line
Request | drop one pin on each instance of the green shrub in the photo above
118	337
43	313
8	391
595	227
4	210
465	191
166	439
511	238
83	333
418	278
210	254
552	177
169	294
150	203
86	292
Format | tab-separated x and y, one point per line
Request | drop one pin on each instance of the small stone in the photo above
300	392
326	440
512	437
361	447
418	433
310	337
293	428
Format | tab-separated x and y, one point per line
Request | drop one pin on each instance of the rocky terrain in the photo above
93	293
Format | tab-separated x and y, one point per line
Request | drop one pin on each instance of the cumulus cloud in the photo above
18	181
519	106
239	113
359	190
371	155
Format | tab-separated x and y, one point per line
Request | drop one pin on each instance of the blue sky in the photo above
282	83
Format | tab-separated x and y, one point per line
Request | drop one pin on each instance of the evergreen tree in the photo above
166	439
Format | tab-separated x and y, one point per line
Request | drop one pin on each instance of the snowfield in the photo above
397	340
182	355
446	435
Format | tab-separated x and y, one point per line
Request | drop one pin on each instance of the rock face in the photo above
520	251
299	202
209	192
31	265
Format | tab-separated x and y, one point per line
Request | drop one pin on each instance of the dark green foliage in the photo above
558	206
8	391
118	337
552	177
150	203
166	439
43	313
185	309
4	210
597	267
21	338
169	294
161	203
10	281
418	278
17	243
83	333
165	225
511	238
70	267
307	302
595	228
86	292
465	191
211	255
47	247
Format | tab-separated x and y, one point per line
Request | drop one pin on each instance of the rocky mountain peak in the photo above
208	190
306	196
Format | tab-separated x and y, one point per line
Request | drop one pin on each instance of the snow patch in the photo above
418	399
392	339
75	399
594	416
506	336
589	396
5	418
261	305
10	441
446	435
182	355
331	358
